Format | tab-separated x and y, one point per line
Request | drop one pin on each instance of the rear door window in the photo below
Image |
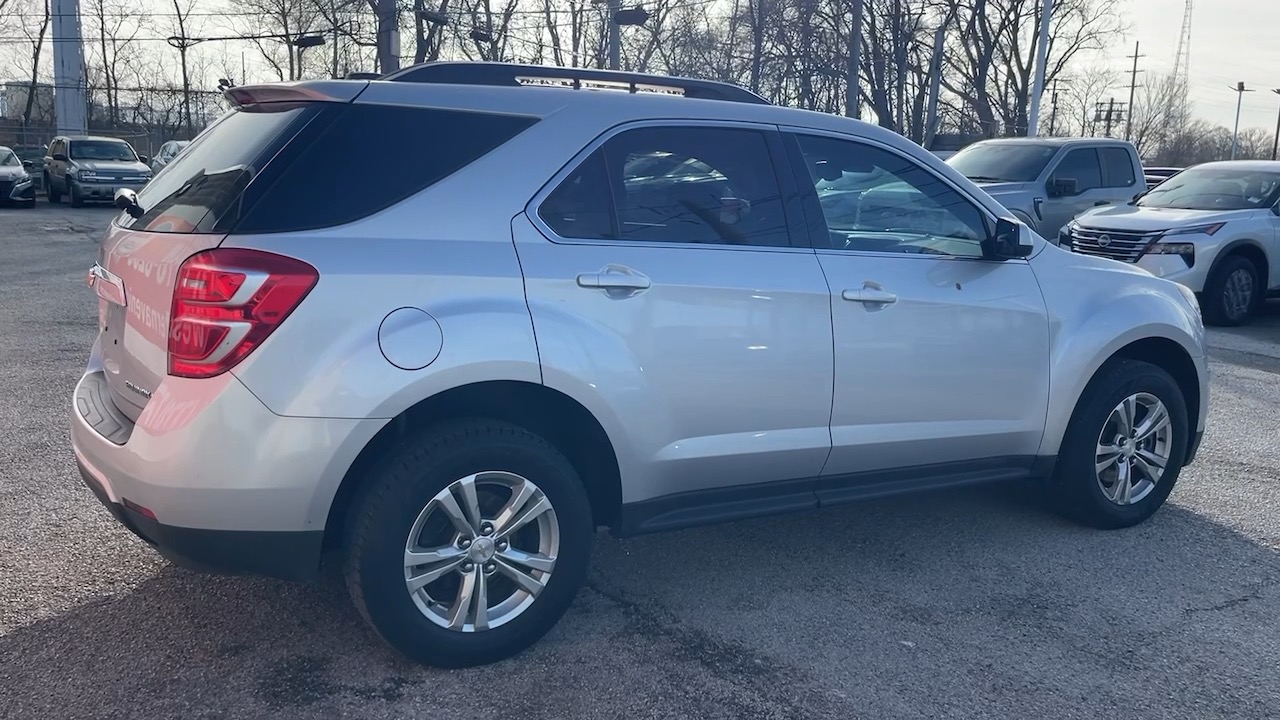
674	185
1117	166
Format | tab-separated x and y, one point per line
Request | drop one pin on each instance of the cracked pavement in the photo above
960	604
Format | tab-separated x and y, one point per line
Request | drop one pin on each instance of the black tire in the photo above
1214	300
397	491
76	199
55	195
1075	488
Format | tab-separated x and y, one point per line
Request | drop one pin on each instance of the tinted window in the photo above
431	145
1080	165
196	192
674	185
106	150
1119	167
1019	161
1214	187
877	201
582	206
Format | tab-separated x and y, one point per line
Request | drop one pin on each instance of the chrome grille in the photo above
1114	244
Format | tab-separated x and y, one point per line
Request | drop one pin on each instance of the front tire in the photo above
468	543
76	199
1232	292
1124	447
55	195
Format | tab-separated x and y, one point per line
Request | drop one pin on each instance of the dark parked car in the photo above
16	187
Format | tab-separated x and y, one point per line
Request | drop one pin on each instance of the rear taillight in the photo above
226	302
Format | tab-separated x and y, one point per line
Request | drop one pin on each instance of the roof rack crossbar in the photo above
516	74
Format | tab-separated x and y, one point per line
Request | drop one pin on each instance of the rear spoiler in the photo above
305	91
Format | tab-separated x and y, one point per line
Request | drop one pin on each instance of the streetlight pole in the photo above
1042	58
1235	133
1275	140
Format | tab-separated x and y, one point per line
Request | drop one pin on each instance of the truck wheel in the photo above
468	543
1231	293
76	199
55	195
1124	447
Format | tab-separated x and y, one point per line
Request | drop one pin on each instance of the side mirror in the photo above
1011	239
60	157
127	200
28	164
143	158
1275	209
1062	187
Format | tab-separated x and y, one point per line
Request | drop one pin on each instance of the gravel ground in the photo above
969	604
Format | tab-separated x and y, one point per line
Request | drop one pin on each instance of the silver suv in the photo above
640	307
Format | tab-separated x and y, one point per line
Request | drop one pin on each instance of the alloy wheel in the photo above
481	551
1133	448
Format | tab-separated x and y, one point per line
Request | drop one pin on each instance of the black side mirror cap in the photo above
60	157
1061	187
28	164
127	200
1011	240
143	158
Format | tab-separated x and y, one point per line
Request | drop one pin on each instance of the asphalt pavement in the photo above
959	604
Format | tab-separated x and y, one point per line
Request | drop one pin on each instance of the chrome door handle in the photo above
870	296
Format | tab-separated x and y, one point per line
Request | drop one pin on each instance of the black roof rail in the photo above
517	74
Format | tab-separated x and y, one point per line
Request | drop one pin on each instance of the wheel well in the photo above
1173	359
558	418
1253	254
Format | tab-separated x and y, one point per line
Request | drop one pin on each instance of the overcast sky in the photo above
1231	40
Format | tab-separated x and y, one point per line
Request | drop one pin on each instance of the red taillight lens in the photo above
226	302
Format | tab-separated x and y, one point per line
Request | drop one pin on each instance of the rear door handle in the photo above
615	279
870	296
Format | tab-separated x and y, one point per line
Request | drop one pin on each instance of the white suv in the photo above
1214	228
564	309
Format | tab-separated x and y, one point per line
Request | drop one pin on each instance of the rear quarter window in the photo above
368	158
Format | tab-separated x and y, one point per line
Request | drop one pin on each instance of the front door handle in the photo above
870	294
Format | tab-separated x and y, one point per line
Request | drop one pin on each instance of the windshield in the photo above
102	150
8	159
1003	162
1216	188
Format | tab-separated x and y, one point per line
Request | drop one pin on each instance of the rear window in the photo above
313	166
201	191
369	158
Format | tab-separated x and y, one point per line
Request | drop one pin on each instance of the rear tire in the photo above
1224	300
1098	497
426	478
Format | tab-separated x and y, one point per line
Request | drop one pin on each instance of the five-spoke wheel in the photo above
468	543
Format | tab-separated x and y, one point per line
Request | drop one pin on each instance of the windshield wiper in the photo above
985	178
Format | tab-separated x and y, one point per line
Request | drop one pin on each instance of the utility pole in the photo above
69	101
615	35
1108	114
388	36
935	84
1053	108
1275	140
1133	85
1042	59
1240	90
852	89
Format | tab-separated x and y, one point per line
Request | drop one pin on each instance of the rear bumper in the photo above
285	555
231	485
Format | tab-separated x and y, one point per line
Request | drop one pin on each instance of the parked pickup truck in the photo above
1046	182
